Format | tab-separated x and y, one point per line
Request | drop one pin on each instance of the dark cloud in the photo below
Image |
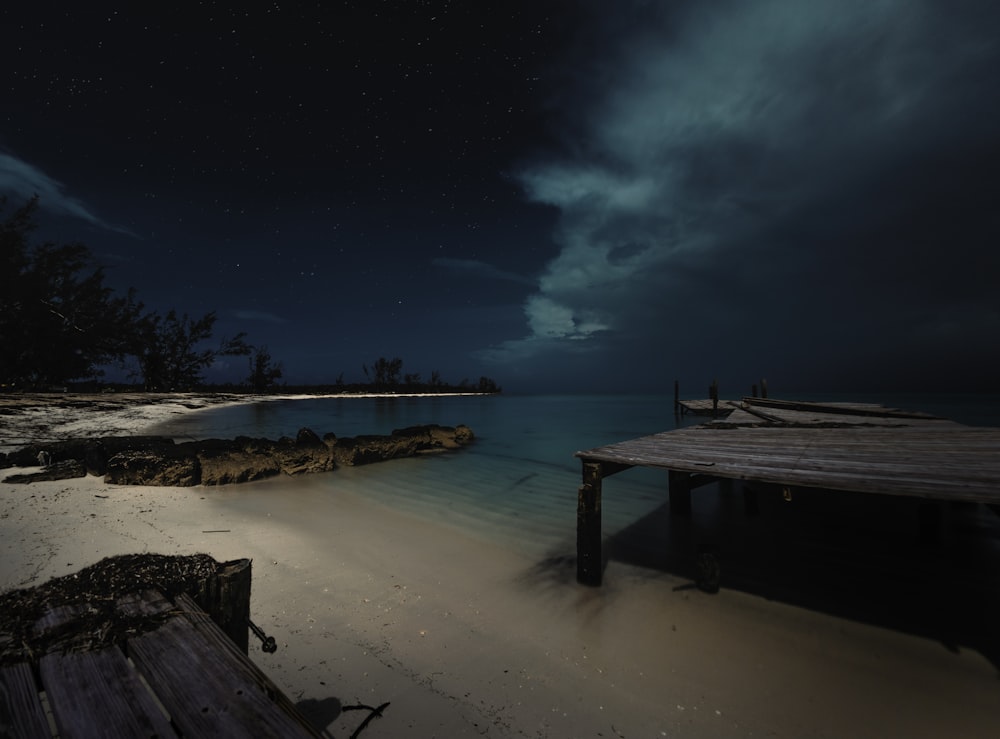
563	195
805	186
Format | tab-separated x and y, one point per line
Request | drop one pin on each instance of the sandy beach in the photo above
465	638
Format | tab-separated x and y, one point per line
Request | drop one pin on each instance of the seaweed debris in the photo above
77	612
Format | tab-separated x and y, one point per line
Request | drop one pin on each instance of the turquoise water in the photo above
518	482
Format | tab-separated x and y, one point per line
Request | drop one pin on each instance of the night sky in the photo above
597	196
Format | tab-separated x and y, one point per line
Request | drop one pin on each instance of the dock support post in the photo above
226	598
677	398
680	493
589	565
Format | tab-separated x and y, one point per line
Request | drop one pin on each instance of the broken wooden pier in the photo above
142	663
849	447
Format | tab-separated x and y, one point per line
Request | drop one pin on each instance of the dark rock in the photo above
308	437
93	452
297	460
244	459
163	466
64	470
401	443
157	460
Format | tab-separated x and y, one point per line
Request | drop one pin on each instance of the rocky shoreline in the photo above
159	461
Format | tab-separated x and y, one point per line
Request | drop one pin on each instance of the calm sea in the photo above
518	481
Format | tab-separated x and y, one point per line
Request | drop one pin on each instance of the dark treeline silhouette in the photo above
59	322
61	327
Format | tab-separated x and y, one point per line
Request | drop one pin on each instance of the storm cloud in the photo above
800	189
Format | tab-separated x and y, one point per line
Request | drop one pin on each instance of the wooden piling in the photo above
588	526
589	557
226	598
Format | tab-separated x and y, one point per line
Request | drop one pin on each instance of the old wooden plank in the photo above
226	598
211	631
60	619
951	469
965	462
144	603
98	694
21	712
706	407
948	463
845	416
206	690
865	409
589	558
959	462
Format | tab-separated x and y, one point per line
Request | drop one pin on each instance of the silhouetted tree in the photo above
168	349
386	372
263	372
58	320
487	385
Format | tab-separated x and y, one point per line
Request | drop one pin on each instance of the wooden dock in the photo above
836	447
173	672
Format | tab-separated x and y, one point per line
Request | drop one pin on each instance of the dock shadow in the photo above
853	556
320	713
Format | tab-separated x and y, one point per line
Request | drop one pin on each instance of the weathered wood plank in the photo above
226	598
60	618
948	463
589	557
211	631
21	713
207	690
703	407
861	409
98	694
144	603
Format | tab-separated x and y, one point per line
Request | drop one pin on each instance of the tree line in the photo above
60	322
387	375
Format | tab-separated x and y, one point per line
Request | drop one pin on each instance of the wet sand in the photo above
466	638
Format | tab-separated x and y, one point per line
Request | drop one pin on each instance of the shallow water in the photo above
518	482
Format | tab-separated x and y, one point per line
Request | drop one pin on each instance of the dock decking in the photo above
845	447
175	673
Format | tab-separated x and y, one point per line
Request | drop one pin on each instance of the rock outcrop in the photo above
156	460
65	470
401	443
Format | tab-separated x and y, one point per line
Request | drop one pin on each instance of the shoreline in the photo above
27	418
466	637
